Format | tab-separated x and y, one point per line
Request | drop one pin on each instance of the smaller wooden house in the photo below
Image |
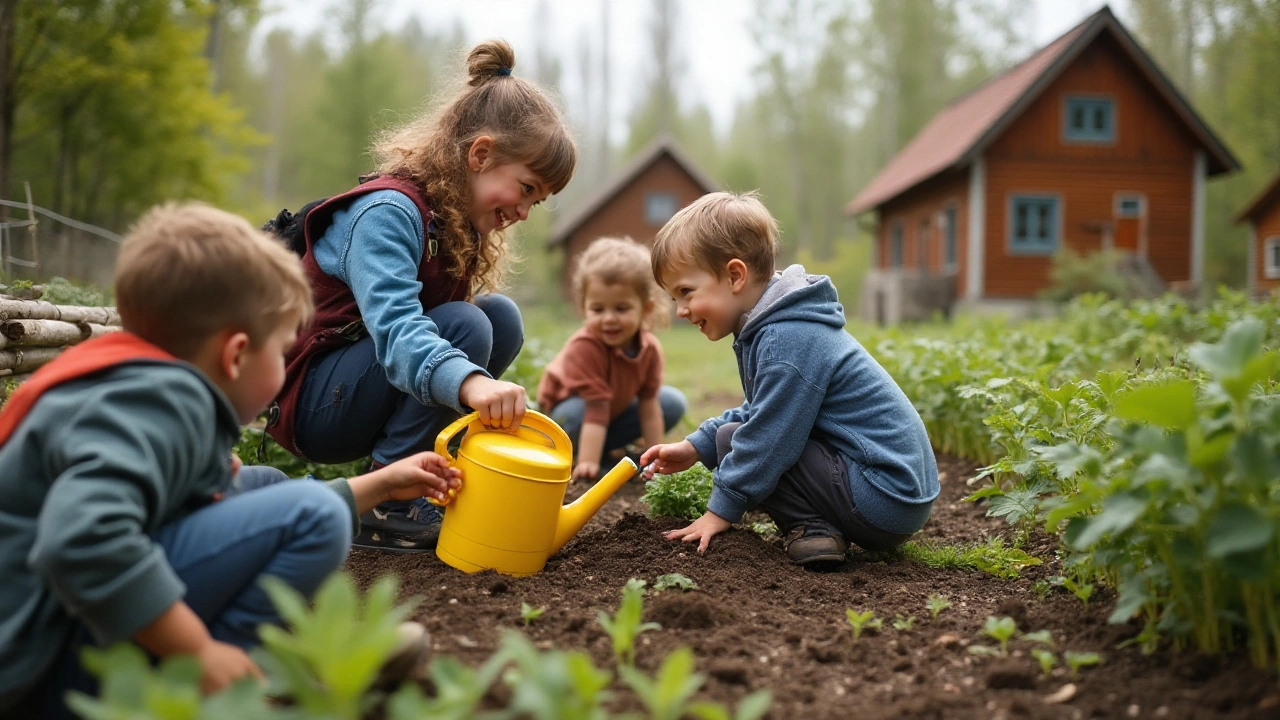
636	202
1263	217
1086	145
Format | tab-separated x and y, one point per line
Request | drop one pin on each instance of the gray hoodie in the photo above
805	377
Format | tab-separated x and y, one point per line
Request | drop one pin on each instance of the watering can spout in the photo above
576	514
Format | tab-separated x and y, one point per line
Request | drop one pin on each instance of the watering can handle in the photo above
535	427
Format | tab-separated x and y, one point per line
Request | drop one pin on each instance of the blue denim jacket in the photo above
804	376
375	246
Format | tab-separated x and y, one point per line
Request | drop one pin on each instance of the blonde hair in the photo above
621	261
716	228
187	271
431	150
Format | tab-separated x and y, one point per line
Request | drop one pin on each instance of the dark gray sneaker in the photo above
400	526
815	545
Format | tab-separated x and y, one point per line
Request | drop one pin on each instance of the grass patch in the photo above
992	557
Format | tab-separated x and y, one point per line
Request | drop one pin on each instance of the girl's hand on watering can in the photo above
499	404
668	458
423	475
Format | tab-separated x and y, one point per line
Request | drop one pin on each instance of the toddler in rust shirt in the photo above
605	386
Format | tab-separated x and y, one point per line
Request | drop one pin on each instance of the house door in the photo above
1130	222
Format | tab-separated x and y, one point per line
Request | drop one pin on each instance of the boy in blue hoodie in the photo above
826	442
123	513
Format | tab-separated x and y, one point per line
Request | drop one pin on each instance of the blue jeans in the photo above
295	530
348	409
625	428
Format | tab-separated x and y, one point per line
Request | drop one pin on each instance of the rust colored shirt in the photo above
604	377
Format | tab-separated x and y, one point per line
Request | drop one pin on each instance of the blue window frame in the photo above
659	207
895	245
950	257
1090	120
1033	225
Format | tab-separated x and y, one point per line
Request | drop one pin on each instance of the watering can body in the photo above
508	515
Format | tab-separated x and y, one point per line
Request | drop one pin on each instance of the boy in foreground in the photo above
123	513
826	442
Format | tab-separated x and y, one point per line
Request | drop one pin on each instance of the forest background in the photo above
109	106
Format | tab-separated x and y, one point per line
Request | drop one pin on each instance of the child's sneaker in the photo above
412	647
402	526
814	544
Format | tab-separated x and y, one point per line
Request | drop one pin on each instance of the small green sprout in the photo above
1043	637
1083	591
529	613
984	650
1042	588
764	528
903	624
936	604
1001	630
627	623
862	620
1077	660
1046	658
676	581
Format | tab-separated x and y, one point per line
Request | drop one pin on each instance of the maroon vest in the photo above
337	321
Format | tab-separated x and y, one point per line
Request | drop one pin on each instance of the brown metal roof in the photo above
1264	200
962	130
662	145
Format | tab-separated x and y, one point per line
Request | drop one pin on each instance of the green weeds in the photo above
681	495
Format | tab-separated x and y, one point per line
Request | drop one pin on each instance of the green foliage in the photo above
860	621
903	624
1082	590
1072	275
1001	630
554	685
627	623
258	448
333	651
1046	659
992	557
674	580
529	613
61	291
1077	660
1042	637
936	604
681	495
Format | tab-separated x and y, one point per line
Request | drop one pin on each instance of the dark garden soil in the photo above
757	622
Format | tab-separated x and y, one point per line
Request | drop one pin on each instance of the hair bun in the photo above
489	59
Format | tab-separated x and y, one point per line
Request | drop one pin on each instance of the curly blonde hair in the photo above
621	261
431	150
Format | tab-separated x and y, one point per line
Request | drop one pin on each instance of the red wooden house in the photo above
1084	145
635	203
1263	216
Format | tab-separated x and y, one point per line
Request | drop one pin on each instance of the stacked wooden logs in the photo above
33	332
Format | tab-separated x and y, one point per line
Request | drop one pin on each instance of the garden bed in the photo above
756	622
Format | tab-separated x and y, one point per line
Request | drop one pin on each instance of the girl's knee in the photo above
503	314
674	405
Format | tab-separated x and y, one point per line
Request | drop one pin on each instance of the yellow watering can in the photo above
507	516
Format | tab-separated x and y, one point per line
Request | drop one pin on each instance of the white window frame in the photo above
1271	258
948	226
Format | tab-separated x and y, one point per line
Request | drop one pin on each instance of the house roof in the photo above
660	146
963	130
1265	199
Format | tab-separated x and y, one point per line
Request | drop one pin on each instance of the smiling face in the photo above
613	312
502	193
714	304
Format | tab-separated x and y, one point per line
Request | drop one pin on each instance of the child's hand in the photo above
586	471
668	458
499	404
423	475
702	530
221	664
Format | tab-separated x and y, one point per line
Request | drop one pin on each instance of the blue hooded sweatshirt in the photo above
804	377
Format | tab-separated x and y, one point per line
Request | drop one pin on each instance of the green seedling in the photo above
936	604
1083	590
764	528
674	581
529	613
626	625
1042	588
1043	637
862	621
1001	630
902	624
1077	660
984	650
1046	658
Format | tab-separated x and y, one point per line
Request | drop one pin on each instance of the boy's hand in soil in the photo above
222	664
423	475
669	458
702	530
